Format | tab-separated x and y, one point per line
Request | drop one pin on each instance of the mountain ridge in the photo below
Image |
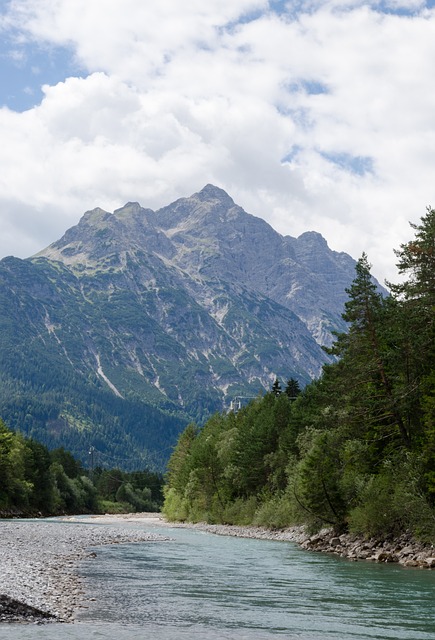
178	310
170	241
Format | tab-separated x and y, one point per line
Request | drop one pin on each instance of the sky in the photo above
314	115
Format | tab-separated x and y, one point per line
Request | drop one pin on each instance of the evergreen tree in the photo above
292	389
276	388
365	355
417	293
416	296
417	262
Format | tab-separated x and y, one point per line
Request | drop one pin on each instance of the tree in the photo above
180	462
276	388
365	353
316	483
37	471
292	389
6	475
109	482
71	466
417	293
416	296
417	261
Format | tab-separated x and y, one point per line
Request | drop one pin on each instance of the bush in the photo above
108	506
392	503
277	513
175	507
240	512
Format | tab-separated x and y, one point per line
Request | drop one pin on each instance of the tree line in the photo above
36	481
355	449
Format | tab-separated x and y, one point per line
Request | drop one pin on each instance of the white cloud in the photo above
323	120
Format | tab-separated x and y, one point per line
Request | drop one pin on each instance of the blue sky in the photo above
315	115
26	67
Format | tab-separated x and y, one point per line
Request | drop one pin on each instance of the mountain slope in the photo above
159	317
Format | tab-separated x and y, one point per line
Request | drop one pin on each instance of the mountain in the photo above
138	321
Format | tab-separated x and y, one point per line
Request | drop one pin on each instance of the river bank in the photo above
404	550
39	581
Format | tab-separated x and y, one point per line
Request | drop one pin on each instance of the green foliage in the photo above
179	465
176	506
292	389
216	473
276	387
240	511
108	506
317	480
278	512
15	489
353	450
70	465
392	501
36	481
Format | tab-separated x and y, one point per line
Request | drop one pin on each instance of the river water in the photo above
208	587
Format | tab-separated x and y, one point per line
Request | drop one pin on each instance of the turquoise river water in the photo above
208	587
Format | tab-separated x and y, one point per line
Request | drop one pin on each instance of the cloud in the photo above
317	118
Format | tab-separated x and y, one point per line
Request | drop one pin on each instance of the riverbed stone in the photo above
39	562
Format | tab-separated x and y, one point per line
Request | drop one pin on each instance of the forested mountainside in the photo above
137	322
356	448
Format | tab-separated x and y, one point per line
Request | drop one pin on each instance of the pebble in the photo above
39	580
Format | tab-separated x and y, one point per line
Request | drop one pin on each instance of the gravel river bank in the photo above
39	560
39	581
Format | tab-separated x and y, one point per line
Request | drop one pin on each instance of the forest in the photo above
37	482
355	449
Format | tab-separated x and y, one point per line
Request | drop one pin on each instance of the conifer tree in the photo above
417	292
417	262
276	387
365	353
416	297
292	389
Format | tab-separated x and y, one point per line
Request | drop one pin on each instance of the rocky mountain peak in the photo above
312	238
170	312
96	217
129	210
211	192
208	238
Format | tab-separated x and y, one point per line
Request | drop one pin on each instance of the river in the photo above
208	587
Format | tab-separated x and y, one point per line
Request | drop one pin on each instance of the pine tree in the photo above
276	388
417	262
365	353
416	296
292	389
417	292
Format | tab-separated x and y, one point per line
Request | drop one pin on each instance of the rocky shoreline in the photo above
39	581
404	550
